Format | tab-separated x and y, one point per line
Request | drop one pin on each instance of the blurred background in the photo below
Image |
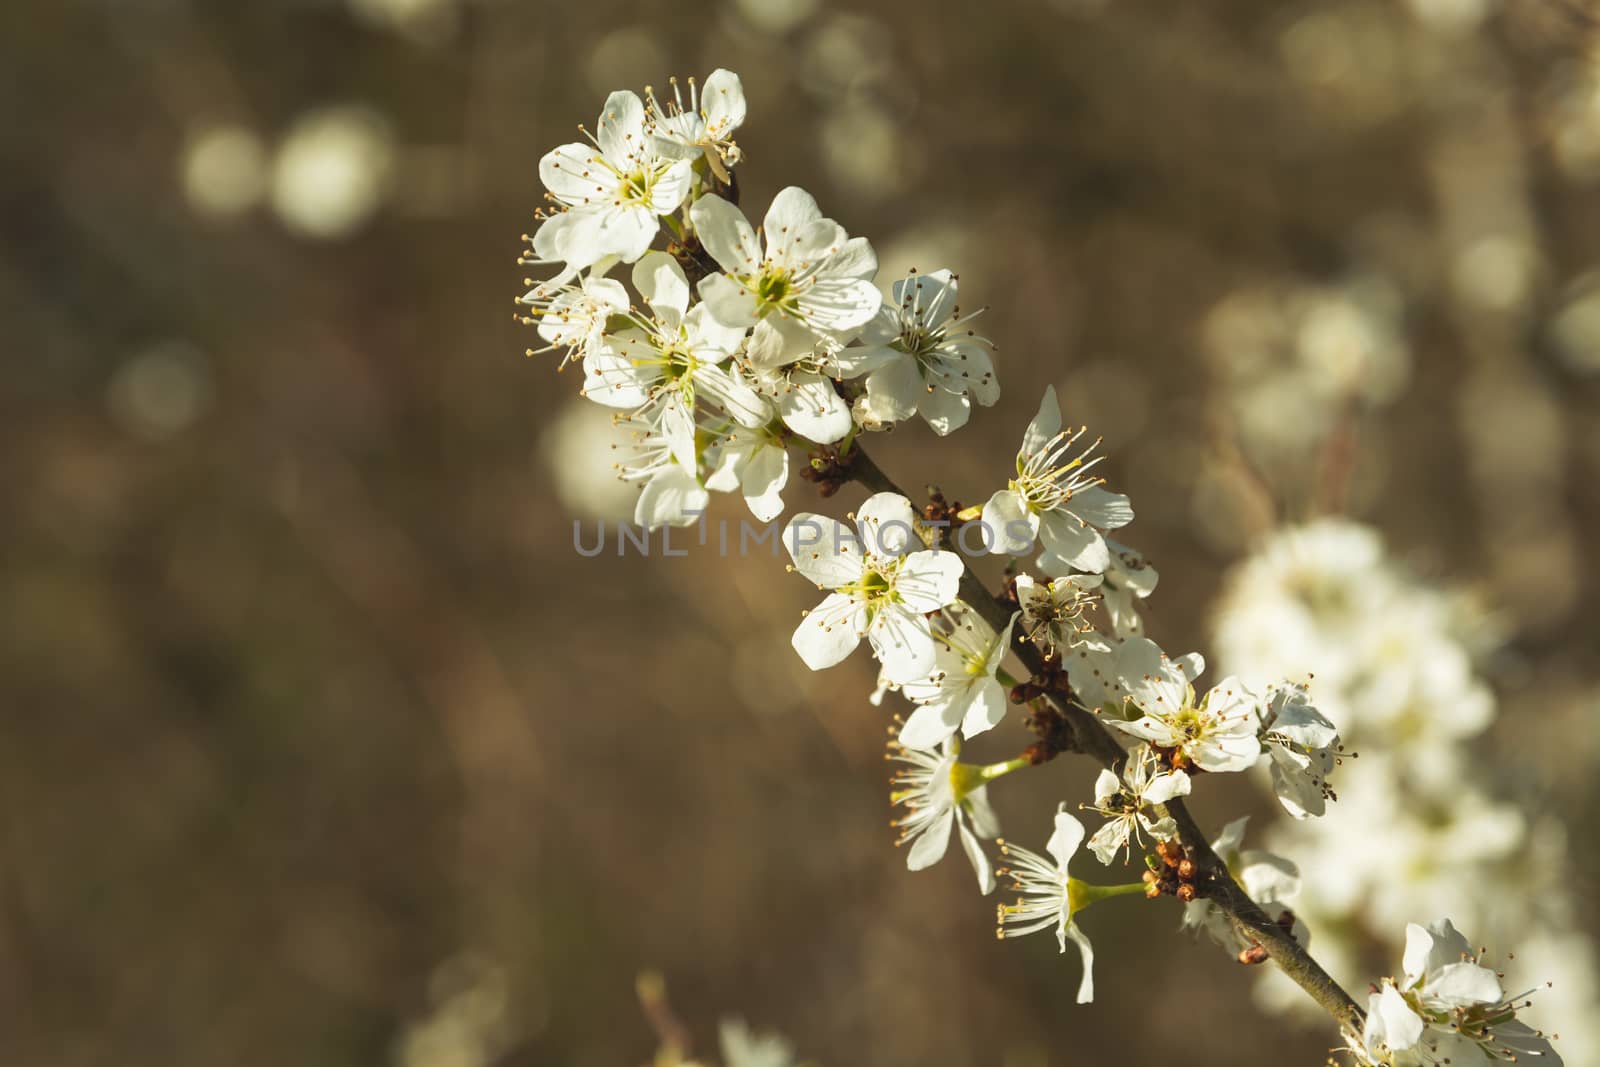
322	745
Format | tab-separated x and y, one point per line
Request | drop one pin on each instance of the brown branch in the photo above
1092	738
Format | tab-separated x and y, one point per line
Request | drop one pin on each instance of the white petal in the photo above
857	360
944	412
663	285
830	633
1148	728
671	498
932	295
1108	840
791	209
748	408
762	480
1009	522
929	726
777	342
1065	840
855	259
839	304
985	823
1225	753
1155	683
888	525
824	550
895	388
1106	785
980	861
812	408
1419	958
902	642
1464	984
671	187
1044	426
575	174
1101	508
1085	950
1192	664
1402	1027
1070	542
722	102
930	845
986	709
709	337
929	580
1167	786
620	130
1232	836
729	302
727	235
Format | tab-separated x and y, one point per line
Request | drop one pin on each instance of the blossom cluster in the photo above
1423	831
784	337
738	346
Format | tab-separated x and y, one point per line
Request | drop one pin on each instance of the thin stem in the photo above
1093	739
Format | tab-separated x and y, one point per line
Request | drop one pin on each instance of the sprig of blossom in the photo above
789	344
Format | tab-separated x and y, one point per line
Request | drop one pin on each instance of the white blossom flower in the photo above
961	692
1447	1009
1270	880
704	127
1052	614
1216	734
614	190
941	794
799	278
1048	896
1055	498
574	317
1125	802
679	351
880	588
754	463
1303	747
665	463
919	360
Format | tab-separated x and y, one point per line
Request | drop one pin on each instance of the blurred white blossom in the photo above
332	171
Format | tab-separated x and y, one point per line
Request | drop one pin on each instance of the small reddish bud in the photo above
1253	955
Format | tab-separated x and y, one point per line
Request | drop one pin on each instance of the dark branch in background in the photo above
1091	737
